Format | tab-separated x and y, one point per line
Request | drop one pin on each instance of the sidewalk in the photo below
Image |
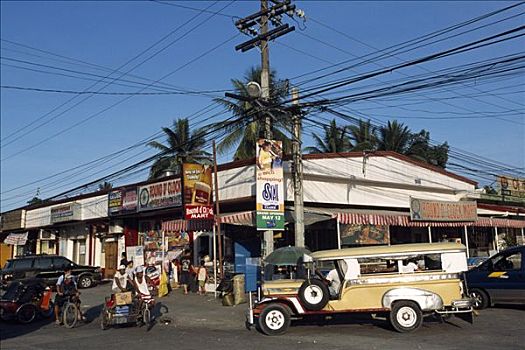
202	310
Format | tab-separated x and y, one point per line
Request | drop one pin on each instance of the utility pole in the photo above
265	68
217	210
297	171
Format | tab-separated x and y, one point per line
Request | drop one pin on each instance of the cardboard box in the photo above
123	298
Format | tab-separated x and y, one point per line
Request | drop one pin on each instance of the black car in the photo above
499	280
49	268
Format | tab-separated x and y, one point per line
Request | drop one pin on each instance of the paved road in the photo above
200	322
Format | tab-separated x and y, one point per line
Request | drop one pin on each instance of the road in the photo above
200	322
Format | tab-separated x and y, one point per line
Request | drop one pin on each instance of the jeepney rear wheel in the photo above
406	316
480	299
314	294
274	320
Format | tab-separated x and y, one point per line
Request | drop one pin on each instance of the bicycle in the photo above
70	312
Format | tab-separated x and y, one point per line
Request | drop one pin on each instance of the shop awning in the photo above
245	218
174	225
403	219
16	238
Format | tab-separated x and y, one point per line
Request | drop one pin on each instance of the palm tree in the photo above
394	137
334	140
244	137
364	136
182	146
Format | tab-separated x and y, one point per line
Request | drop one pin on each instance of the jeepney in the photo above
372	280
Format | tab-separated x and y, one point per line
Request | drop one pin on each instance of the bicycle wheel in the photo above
70	315
104	319
146	317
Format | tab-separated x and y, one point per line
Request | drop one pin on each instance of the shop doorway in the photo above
111	258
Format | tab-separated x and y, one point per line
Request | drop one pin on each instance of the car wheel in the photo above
314	294
274	320
406	316
26	313
85	282
480	299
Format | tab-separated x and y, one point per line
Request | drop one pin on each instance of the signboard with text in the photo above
197	182
427	210
511	186
198	212
159	195
66	212
270	185
122	201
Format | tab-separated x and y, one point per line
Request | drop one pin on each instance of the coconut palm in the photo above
364	136
181	146
394	137
335	139
243	135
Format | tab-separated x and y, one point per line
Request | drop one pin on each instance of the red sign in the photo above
199	212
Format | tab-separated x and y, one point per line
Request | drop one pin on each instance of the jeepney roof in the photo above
388	250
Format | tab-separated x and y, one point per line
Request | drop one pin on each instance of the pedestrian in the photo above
130	271
185	273
175	273
124	260
202	276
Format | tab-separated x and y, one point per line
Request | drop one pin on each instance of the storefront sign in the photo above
270	185
353	234
198	212
160	195
135	254
67	212
509	186
197	181
425	210
122	201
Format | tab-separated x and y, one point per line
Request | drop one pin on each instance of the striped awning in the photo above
404	220
245	218
174	225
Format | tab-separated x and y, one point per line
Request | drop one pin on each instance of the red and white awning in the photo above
404	220
245	218
174	225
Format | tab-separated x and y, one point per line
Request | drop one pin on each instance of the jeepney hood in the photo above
280	287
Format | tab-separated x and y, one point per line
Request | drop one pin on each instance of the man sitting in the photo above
335	283
66	287
120	281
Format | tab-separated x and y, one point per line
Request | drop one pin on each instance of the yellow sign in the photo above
197	184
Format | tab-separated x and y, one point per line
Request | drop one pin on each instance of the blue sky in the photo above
110	33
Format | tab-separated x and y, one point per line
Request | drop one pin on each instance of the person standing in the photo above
185	273
202	276
124	260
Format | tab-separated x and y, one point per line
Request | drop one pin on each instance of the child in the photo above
202	276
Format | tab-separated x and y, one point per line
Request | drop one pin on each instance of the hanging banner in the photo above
270	185
159	195
355	234
510	186
425	210
16	238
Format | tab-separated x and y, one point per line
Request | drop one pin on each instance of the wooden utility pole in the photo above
297	171
217	209
265	68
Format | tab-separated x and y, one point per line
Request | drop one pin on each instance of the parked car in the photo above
48	268
380	279
499	280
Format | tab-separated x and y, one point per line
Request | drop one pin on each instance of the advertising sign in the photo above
425	210
122	201
159	195
197	184
270	185
510	186
198	212
364	234
65	212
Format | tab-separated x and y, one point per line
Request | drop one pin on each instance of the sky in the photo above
483	118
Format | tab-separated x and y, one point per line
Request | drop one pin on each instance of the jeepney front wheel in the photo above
406	316
274	320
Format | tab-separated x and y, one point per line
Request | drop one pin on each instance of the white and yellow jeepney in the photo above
371	280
